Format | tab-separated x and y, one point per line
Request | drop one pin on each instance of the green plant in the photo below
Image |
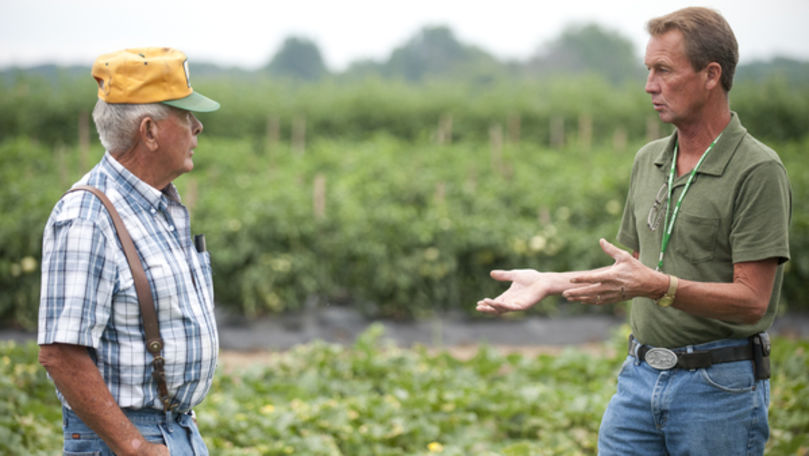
374	398
400	229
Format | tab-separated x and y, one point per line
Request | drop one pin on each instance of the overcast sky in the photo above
247	33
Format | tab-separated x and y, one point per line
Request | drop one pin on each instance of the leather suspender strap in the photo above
154	344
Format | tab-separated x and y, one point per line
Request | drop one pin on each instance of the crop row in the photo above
56	110
396	229
373	398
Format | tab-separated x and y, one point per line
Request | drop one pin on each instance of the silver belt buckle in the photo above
661	358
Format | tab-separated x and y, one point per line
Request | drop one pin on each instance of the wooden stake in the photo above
299	135
514	128
585	130
619	139
557	131
319	196
444	134
496	148
273	132
440	193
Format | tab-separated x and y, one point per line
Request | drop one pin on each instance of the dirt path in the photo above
237	360
341	325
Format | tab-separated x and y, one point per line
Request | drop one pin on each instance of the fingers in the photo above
484	306
597	294
608	248
585	293
489	306
596	298
499	306
612	250
506	302
501	275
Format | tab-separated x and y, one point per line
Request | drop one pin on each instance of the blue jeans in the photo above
721	410
177	431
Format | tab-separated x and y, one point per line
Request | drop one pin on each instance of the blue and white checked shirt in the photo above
88	296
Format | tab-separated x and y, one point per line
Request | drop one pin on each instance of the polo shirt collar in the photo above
135	188
716	162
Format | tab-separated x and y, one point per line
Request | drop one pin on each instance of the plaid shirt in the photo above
88	296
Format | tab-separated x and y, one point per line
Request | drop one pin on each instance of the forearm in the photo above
745	300
556	283
78	379
735	302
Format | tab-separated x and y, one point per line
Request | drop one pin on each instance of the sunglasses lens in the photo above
655	212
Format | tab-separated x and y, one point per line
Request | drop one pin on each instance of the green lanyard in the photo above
669	226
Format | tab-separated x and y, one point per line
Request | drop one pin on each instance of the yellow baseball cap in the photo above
148	75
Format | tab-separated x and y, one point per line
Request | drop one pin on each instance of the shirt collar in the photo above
135	188
716	162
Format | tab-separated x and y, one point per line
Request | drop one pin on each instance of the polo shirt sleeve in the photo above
762	213
628	233
78	282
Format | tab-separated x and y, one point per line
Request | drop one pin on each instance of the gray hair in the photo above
117	123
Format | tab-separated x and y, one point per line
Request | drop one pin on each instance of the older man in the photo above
707	218
91	328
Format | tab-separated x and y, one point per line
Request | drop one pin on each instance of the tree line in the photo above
434	52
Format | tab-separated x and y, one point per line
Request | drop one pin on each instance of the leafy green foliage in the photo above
401	229
403	233
774	107
789	396
45	109
33	177
795	292
376	399
255	104
759	72
30	413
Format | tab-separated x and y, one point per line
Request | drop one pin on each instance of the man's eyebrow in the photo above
657	63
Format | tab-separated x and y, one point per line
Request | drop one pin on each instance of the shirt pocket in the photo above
695	237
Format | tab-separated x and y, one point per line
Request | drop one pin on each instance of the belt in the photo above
155	416
665	359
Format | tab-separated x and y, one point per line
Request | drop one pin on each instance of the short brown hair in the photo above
708	38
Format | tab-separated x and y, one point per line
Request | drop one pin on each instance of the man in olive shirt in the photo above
735	213
707	219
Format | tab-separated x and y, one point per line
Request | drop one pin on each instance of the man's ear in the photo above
148	132
713	76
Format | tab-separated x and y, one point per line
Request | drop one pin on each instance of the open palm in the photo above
526	289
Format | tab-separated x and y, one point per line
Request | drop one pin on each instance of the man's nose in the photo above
651	83
196	125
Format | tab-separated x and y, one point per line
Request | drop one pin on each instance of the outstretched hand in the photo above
625	279
526	290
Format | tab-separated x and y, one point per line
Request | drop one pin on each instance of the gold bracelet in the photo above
668	298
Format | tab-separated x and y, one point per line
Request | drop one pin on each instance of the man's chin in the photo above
664	116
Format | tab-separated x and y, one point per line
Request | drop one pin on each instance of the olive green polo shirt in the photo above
737	209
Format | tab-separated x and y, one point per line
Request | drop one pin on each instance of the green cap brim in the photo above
196	102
